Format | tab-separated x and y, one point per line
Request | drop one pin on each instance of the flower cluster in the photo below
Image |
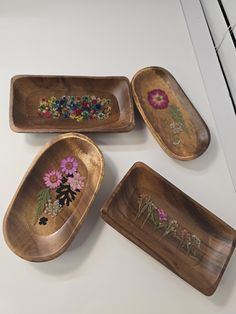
187	242
75	107
174	119
163	217
65	183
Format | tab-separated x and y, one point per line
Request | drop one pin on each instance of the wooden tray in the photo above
169	114
74	103
53	198
170	226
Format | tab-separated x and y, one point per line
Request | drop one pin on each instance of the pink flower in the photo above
76	182
158	99
69	165
52	179
163	217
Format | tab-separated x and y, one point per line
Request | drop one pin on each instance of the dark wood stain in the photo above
202	271
34	242
27	90
196	136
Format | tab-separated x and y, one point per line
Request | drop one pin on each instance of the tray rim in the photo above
124	128
149	125
65	244
105	215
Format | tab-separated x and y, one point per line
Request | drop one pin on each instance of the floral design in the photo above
53	208
52	179
43	221
163	217
158	99
61	189
69	165
76	182
75	107
187	242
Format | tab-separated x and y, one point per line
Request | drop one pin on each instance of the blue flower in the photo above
98	106
66	114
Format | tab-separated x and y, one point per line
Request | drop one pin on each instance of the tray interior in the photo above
174	121
201	267
39	237
27	91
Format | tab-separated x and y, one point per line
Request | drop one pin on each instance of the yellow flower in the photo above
73	116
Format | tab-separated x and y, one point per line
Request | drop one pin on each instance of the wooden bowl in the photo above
172	227
169	114
45	104
54	197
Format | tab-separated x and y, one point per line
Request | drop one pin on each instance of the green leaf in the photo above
42	198
176	114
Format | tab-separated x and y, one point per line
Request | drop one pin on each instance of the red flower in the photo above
94	102
158	99
47	114
77	112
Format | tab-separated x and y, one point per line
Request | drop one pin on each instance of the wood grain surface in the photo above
169	114
201	266
37	242
27	90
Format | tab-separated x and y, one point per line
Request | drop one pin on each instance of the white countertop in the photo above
102	272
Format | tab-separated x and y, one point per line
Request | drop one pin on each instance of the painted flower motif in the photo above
43	221
52	179
158	99
76	182
101	115
163	217
69	165
53	208
75	107
185	234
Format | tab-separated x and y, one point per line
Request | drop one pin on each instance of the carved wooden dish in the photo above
172	227
169	114
53	198
70	103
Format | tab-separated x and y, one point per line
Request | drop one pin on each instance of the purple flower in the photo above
163	217
158	99
52	179
69	165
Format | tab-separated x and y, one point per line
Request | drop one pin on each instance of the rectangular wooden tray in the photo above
172	227
28	91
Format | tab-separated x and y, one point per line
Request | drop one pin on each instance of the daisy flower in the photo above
69	165
52	179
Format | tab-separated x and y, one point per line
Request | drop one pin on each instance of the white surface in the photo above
229	6
214	81
225	49
102	272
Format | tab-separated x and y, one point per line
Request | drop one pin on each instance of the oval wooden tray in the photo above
54	197
169	114
70	104
170	226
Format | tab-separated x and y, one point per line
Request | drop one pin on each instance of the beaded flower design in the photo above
75	107
61	187
158	99
187	242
